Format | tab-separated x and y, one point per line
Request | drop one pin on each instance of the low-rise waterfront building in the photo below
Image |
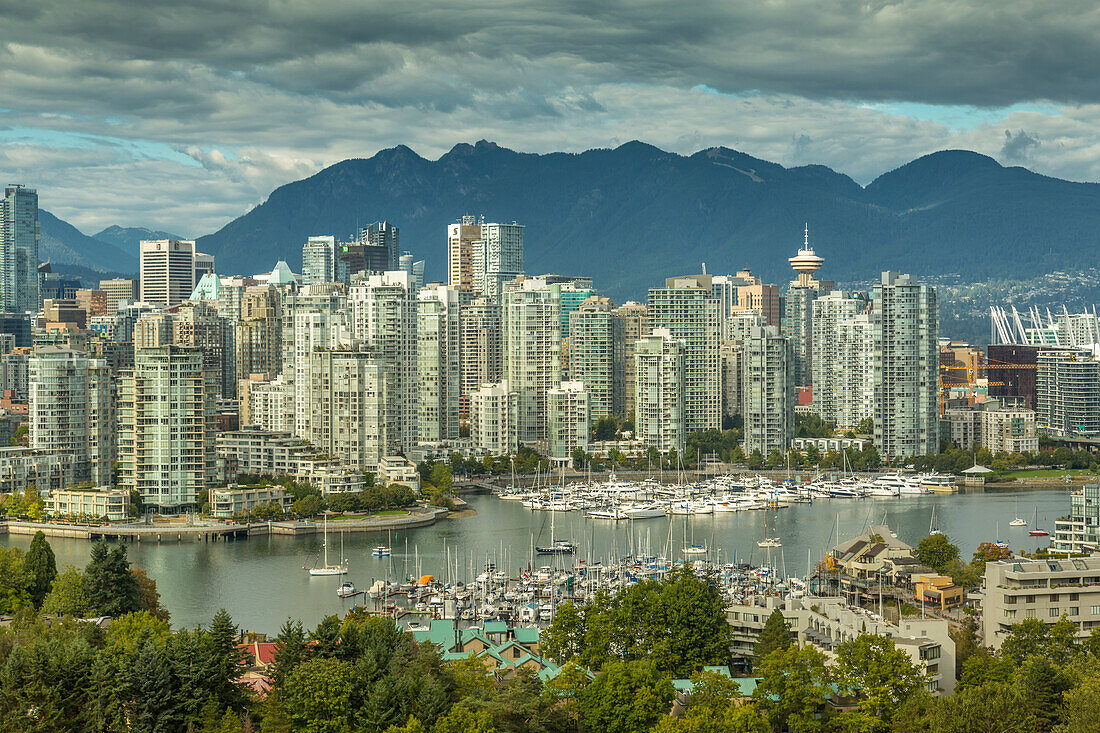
398	470
234	499
102	501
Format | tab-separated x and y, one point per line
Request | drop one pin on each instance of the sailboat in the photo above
326	569
1018	521
767	541
381	550
1037	531
556	547
999	542
933	528
692	549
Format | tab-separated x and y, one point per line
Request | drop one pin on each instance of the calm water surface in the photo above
261	581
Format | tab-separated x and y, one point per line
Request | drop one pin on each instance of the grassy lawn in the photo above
391	513
1047	473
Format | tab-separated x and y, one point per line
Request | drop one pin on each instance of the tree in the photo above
308	506
463	720
148	595
870	669
111	588
318	696
793	691
866	426
989	552
634	624
441	477
225	660
1082	707
40	566
14	586
776	634
626	697
606	428
936	551
67	597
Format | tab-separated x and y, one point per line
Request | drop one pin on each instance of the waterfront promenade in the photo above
206	530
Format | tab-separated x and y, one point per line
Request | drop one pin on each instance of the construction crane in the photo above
971	378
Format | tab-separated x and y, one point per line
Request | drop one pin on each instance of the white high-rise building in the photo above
532	351
349	406
71	410
569	420
497	258
439	375
493	416
318	258
166	427
767	391
906	368
1068	392
20	234
482	337
843	360
596	356
170	269
312	320
687	308
383	317
659	392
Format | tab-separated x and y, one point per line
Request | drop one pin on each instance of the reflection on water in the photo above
261	581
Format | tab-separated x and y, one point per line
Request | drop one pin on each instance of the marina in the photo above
260	581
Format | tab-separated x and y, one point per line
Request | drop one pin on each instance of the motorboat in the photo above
381	551
346	589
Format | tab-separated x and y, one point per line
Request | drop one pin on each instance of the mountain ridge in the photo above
649	213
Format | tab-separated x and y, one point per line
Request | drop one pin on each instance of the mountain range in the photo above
633	215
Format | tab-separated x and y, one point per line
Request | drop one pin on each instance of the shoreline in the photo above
421	517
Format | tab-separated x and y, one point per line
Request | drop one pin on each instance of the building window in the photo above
1094	611
1010	614
1030	613
1054	613
1071	611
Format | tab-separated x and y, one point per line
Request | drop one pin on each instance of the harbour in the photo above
261	581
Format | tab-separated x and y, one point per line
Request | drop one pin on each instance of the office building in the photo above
348	406
318	255
659	391
117	290
532	351
755	295
843	360
166	427
798	310
170	269
383	318
633	321
905	321
92	301
198	324
569	421
497	258
1018	589
1068	392
439	374
767	391
71	410
374	250
494	412
688	310
597	356
258	334
20	233
481	331
460	253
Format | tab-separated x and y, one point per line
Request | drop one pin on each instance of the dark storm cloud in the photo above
934	51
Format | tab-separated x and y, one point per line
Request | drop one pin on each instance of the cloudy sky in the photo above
182	115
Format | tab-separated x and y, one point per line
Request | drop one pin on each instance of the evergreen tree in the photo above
153	692
111	588
776	634
290	651
41	568
226	660
327	637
